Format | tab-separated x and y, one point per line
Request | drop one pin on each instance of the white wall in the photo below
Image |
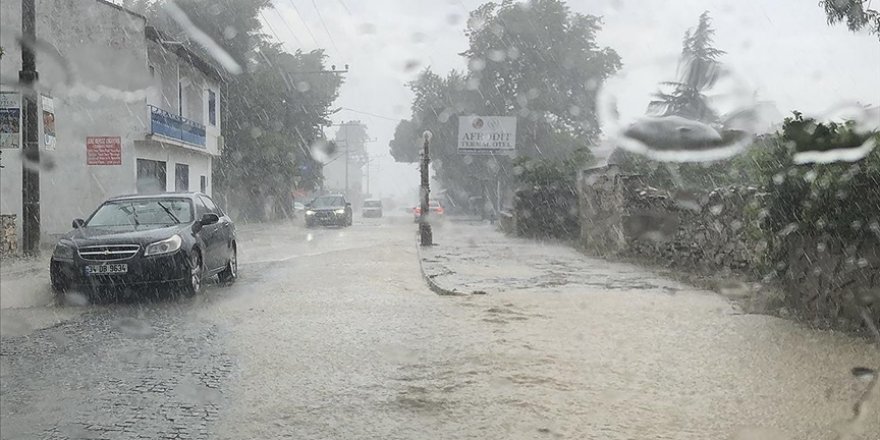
168	68
103	93
199	162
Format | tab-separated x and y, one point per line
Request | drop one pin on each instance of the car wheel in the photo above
193	285
58	281
229	274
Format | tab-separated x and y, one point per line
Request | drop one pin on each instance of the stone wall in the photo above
8	238
546	212
826	278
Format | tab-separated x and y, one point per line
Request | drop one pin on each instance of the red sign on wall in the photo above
104	150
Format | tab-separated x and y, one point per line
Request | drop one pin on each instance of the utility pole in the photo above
425	234
347	154
30	164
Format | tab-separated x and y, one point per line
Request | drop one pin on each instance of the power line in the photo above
268	25
303	20
344	6
371	114
329	35
289	29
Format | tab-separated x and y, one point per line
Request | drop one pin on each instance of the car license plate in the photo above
106	269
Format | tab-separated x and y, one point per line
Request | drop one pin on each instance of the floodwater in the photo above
332	333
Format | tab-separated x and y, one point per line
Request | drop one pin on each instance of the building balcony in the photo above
174	127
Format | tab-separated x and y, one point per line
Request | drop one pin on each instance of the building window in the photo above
212	107
151	176
181	177
203	184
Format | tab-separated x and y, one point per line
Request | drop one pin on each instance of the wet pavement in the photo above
332	333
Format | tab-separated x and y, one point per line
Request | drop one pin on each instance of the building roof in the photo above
182	51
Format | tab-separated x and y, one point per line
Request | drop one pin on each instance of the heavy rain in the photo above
424	219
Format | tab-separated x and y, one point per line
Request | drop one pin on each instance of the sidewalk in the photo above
476	258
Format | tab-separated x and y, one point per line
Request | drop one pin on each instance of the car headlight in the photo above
340	211
310	212
63	252
164	247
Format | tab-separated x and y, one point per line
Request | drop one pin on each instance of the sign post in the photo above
425	234
488	136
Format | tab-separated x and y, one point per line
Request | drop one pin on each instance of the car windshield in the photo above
142	212
328	202
643	219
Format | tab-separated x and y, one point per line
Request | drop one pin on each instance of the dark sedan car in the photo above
328	210
178	239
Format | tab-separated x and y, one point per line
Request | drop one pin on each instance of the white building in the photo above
133	112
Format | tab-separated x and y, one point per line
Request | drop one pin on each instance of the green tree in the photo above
537	61
856	13
274	110
699	69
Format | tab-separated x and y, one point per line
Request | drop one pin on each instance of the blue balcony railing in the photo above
176	127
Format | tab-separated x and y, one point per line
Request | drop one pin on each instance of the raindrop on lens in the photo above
229	32
411	65
477	64
303	86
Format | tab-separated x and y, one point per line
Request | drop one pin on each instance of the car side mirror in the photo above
209	219
78	223
347	205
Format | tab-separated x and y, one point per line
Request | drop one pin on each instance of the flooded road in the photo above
332	333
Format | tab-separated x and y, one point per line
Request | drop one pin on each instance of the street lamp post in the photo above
425	234
30	172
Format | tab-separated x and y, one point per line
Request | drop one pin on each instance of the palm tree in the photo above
699	69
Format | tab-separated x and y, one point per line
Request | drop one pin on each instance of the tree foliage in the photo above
856	13
273	111
699	69
535	60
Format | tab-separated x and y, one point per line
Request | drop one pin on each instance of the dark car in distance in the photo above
330	210
176	239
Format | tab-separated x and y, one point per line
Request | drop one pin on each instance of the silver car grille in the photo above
109	252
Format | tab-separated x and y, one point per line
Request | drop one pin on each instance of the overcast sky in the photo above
783	51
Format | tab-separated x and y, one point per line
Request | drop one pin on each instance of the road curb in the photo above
436	288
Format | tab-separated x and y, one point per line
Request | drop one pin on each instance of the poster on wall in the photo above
103	150
10	120
48	123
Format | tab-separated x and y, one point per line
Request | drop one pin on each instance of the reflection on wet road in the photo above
331	333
